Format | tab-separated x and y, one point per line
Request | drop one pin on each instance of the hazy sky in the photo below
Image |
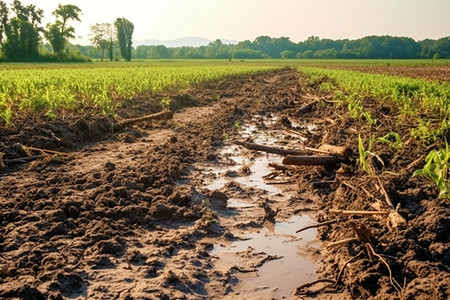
247	19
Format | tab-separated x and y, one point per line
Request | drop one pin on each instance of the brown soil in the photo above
123	213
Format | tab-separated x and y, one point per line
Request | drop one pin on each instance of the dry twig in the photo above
318	225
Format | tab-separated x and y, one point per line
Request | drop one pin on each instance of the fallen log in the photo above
268	149
162	115
311	160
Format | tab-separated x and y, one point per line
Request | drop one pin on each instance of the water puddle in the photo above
257	167
293	256
298	252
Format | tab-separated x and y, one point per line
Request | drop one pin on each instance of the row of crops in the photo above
49	88
423	106
425	102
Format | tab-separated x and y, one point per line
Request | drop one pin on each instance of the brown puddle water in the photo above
296	254
280	276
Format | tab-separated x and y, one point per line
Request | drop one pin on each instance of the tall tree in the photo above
102	36
4	16
59	32
22	31
124	30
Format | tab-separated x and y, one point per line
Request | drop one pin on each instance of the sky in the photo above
247	19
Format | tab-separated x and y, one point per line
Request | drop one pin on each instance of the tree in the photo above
124	29
4	16
102	36
22	31
59	32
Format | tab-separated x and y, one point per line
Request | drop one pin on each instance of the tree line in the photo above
23	38
370	47
22	35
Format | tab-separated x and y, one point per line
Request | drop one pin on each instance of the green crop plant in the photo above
356	109
47	88
437	164
414	98
392	139
165	103
365	155
6	114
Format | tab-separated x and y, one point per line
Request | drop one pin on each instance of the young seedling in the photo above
392	139
437	164
165	103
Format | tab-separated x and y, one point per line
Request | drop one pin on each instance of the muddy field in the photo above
174	208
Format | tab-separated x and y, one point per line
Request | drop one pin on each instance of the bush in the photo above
287	54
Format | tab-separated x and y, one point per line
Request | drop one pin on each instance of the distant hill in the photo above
185	41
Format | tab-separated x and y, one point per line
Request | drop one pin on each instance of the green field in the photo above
51	88
48	88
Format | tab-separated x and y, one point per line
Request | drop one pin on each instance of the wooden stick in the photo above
394	218
45	150
338	279
307	107
318	225
358	212
302	134
162	115
299	290
385	194
312	160
268	149
394	282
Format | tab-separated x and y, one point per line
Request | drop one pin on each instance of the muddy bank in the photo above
173	209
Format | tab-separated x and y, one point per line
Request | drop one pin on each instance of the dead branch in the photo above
338	279
299	290
312	160
162	115
358	212
268	149
394	219
45	151
318	225
307	107
266	259
394	282
302	134
385	194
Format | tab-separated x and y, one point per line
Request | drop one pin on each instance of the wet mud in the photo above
175	209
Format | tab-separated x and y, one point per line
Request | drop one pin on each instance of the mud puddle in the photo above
292	258
271	259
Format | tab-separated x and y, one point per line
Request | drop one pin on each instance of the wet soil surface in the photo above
174	209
